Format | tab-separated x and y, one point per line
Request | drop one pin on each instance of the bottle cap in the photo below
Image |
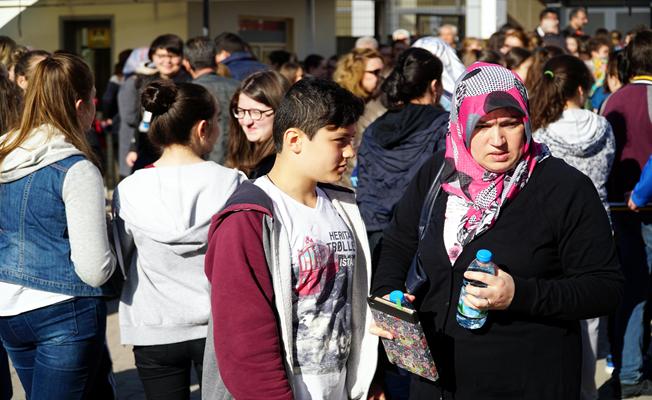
396	297
484	255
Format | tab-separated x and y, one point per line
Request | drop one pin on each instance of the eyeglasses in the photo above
376	72
170	56
254	113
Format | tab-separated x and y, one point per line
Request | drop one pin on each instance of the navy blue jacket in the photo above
242	64
393	149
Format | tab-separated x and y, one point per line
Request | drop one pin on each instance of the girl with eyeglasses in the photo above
251	148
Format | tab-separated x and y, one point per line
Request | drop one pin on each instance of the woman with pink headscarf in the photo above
550	237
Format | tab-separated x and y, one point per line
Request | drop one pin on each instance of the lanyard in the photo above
642	78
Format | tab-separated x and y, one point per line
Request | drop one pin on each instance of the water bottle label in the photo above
467	311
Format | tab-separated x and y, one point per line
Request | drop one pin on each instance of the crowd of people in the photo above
261	201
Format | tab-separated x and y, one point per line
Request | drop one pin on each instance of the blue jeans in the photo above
5	377
56	350
633	233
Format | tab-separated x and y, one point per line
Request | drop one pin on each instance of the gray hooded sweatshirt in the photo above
167	212
585	141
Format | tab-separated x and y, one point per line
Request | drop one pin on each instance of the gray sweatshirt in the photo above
167	211
585	141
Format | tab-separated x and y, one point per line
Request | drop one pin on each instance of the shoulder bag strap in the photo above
429	202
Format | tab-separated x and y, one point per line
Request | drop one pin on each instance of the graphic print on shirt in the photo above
321	280
316	266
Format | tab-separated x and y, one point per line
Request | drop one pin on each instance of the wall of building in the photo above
134	24
225	16
525	12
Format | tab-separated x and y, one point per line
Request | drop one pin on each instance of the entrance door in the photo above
91	39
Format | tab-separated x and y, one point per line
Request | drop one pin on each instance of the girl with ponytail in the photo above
396	144
585	141
165	209
582	138
54	250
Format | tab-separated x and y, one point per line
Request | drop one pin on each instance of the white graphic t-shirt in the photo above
323	255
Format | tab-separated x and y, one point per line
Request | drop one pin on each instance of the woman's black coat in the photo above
554	238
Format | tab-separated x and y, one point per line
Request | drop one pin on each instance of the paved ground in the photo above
129	387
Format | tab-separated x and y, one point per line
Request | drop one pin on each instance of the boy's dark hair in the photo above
639	54
576	11
200	53
170	42
602	33
230	42
175	109
279	57
312	104
311	62
547	11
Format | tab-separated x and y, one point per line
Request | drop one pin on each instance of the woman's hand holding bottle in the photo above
498	294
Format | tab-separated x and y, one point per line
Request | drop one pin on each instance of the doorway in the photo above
91	39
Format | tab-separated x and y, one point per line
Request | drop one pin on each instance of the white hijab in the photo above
453	67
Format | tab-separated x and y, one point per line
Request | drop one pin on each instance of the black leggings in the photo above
165	369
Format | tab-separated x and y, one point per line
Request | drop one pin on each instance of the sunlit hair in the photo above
57	83
11	104
563	76
7	46
268	88
350	70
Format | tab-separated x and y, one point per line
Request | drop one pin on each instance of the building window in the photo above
266	34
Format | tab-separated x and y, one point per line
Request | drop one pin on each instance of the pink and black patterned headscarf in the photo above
481	89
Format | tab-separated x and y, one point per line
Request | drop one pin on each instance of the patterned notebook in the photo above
409	348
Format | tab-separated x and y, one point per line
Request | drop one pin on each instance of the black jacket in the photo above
393	149
556	242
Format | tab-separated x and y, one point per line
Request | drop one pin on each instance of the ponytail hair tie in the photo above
549	73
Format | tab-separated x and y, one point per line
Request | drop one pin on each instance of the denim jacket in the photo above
34	245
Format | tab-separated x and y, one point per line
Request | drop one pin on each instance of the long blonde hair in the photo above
58	82
351	68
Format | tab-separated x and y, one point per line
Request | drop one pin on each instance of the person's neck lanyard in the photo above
642	78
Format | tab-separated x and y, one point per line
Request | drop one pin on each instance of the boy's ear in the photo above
293	139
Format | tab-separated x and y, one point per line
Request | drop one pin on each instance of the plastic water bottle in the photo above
397	297
469	317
